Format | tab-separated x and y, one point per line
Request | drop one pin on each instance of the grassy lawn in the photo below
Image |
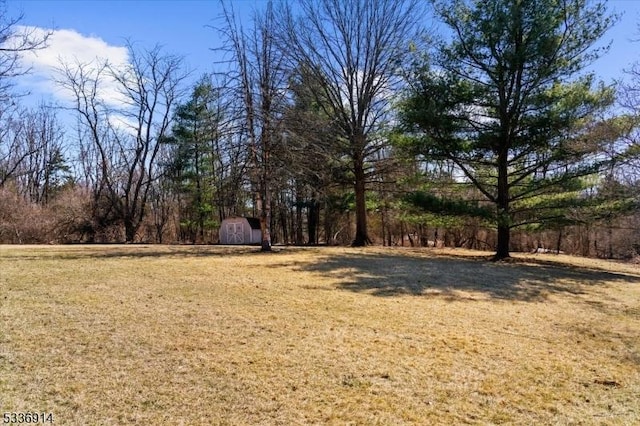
113	335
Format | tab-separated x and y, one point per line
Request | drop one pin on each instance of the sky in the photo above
100	28
90	29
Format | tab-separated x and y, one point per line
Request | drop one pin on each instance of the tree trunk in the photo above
361	238
265	222
263	207
504	219
265	194
265	217
159	233
199	200
312	221
382	226
299	206
585	241
424	239
559	241
129	230
610	235
502	250
389	235
284	222
328	225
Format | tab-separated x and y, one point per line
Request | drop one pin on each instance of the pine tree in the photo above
508	101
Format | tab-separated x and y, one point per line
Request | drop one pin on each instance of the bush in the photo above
22	222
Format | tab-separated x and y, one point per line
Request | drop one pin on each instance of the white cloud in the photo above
69	47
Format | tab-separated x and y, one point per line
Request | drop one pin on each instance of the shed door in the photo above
235	233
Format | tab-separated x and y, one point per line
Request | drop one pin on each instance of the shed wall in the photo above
238	230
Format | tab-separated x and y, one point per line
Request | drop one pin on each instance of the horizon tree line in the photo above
342	122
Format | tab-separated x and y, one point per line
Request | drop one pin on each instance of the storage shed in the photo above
240	230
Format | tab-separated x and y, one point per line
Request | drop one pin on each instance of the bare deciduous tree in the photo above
45	169
353	50
629	99
260	84
15	41
125	137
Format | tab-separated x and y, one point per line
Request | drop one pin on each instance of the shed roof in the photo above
254	222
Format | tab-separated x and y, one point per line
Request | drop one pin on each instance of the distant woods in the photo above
338	122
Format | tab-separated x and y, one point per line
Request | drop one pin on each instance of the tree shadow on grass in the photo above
458	278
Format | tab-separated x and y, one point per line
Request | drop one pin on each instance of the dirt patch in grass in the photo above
222	335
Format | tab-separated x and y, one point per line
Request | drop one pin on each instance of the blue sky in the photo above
180	26
624	50
99	28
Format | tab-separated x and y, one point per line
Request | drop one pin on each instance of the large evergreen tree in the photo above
195	158
508	99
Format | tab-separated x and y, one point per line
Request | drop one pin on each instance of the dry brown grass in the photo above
106	335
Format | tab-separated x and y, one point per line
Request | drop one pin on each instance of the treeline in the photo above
339	122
